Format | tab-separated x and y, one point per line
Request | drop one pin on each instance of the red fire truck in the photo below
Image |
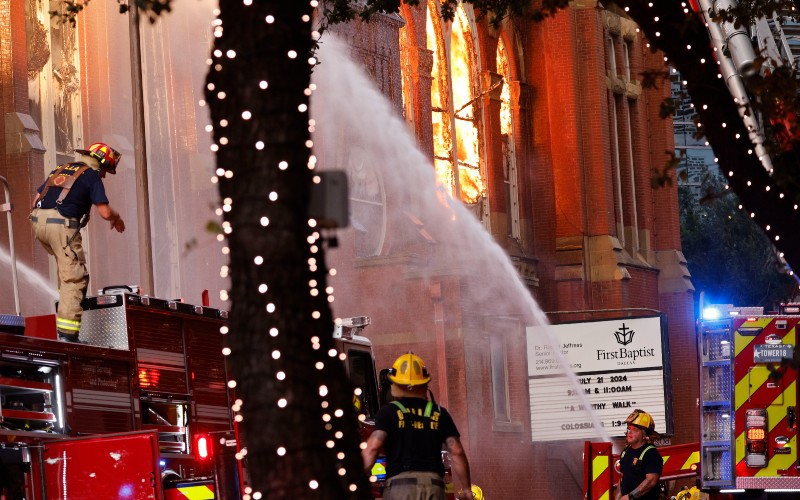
135	412
748	400
134	400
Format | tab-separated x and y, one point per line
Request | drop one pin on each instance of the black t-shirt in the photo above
635	467
413	441
88	190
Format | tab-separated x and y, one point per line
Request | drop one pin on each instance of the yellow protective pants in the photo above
73	278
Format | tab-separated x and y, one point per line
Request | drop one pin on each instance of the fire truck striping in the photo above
599	466
200	492
778	463
744	341
694	458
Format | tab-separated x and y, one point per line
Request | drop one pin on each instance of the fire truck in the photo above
747	410
140	410
122	415
748	400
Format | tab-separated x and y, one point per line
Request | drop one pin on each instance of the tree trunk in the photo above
251	152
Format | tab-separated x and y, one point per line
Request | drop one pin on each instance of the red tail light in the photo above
755	424
202	447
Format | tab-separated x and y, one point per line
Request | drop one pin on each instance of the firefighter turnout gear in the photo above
412	431
53	231
409	370
107	156
61	208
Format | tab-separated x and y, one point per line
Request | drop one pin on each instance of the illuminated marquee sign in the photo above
618	365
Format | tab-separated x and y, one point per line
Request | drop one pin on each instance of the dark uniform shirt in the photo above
413	441
88	190
635	467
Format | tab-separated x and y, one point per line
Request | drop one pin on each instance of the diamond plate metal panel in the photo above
106	327
782	482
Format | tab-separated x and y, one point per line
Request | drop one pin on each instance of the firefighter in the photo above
60	209
640	462
412	429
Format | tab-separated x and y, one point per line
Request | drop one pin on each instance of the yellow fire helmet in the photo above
688	494
643	420
409	370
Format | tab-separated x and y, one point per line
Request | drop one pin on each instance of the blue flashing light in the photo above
711	313
162	463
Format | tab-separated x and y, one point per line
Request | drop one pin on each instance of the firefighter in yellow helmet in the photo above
640	462
411	430
61	208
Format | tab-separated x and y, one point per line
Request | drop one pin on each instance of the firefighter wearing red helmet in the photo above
61	208
411	430
640	462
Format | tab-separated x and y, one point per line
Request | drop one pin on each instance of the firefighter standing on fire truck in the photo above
640	462
411	430
61	208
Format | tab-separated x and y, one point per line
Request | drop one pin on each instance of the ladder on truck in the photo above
775	38
715	341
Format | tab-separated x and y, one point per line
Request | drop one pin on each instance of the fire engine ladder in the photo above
736	56
717	446
776	38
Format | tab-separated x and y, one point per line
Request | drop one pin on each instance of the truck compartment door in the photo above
111	466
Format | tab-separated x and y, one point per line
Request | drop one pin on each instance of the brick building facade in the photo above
593	239
563	141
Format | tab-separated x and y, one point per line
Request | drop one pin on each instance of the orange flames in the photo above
505	94
459	103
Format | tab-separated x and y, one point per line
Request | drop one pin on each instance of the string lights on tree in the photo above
262	123
719	117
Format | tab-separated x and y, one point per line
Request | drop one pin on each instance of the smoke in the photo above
401	218
45	294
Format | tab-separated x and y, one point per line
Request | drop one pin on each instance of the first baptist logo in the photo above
624	335
623	355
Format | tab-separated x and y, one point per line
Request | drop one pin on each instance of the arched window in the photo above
510	180
407	72
454	103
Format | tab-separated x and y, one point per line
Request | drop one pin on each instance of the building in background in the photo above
542	131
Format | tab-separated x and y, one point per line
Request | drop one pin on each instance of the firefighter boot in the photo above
69	337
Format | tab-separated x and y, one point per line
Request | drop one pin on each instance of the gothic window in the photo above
499	366
455	111
407	72
509	154
367	203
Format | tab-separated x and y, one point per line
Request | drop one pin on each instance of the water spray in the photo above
6	207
